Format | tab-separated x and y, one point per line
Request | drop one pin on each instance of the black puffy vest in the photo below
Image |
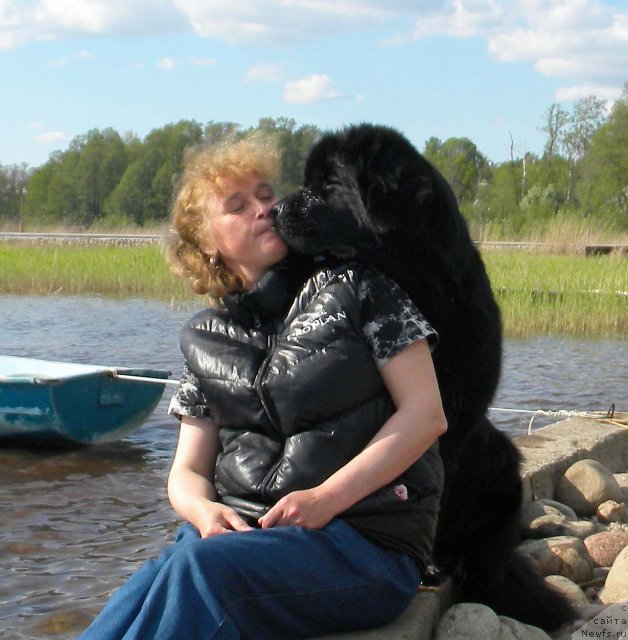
297	394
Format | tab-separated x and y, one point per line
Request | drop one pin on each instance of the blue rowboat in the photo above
81	403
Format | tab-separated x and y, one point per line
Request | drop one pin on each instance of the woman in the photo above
306	466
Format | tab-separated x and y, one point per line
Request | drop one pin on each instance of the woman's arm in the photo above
418	421
190	490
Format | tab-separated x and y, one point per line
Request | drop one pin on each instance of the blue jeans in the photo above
285	582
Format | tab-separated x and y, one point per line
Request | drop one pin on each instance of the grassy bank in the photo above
538	293
87	270
568	294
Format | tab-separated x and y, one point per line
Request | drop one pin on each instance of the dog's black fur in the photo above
369	195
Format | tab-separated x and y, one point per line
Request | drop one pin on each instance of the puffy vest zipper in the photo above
262	393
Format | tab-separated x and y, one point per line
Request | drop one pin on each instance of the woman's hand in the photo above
190	489
214	518
308	508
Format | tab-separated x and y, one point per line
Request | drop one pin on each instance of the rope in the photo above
121	376
564	413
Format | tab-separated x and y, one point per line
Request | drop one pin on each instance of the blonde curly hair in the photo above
206	169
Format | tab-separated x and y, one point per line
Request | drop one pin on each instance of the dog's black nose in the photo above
277	209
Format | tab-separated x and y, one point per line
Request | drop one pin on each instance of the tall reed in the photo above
569	294
537	293
88	269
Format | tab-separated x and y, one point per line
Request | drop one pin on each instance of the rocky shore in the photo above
575	528
579	542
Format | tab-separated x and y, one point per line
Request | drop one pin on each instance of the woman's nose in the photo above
263	209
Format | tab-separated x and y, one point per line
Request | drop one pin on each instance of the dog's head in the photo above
362	184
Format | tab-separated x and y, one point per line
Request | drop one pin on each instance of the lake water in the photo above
74	523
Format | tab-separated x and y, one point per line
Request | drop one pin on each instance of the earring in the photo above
213	261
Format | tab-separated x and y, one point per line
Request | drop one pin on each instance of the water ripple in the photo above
77	522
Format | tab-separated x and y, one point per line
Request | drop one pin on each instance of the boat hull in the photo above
84	404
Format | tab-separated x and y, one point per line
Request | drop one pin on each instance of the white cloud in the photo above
166	64
36	125
263	73
315	88
458	18
51	137
277	23
23	22
583	42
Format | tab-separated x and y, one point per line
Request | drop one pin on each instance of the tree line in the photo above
107	181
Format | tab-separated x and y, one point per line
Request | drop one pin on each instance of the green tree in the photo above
497	204
294	144
215	132
64	203
604	169
461	163
556	119
144	192
102	162
13	192
587	116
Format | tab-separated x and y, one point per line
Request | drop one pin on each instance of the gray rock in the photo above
585	485
549	526
467	621
563	555
505	633
545	507
622	481
600	573
611	511
569	589
521	631
616	587
568	512
537	509
582	528
589	611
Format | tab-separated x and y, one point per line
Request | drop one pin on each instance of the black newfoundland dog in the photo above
369	195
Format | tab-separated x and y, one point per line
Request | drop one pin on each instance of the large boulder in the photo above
605	546
585	485
563	555
616	587
468	621
622	481
569	589
512	629
557	525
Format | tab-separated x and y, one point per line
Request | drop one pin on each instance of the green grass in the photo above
538	293
86	270
570	294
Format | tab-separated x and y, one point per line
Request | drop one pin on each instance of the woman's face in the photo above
240	229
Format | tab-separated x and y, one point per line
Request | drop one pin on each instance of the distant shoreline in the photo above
538	293
122	239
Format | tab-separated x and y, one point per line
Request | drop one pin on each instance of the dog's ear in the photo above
395	181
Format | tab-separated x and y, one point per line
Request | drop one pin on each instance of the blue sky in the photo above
484	69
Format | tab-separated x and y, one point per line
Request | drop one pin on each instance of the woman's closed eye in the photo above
265	193
236	206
